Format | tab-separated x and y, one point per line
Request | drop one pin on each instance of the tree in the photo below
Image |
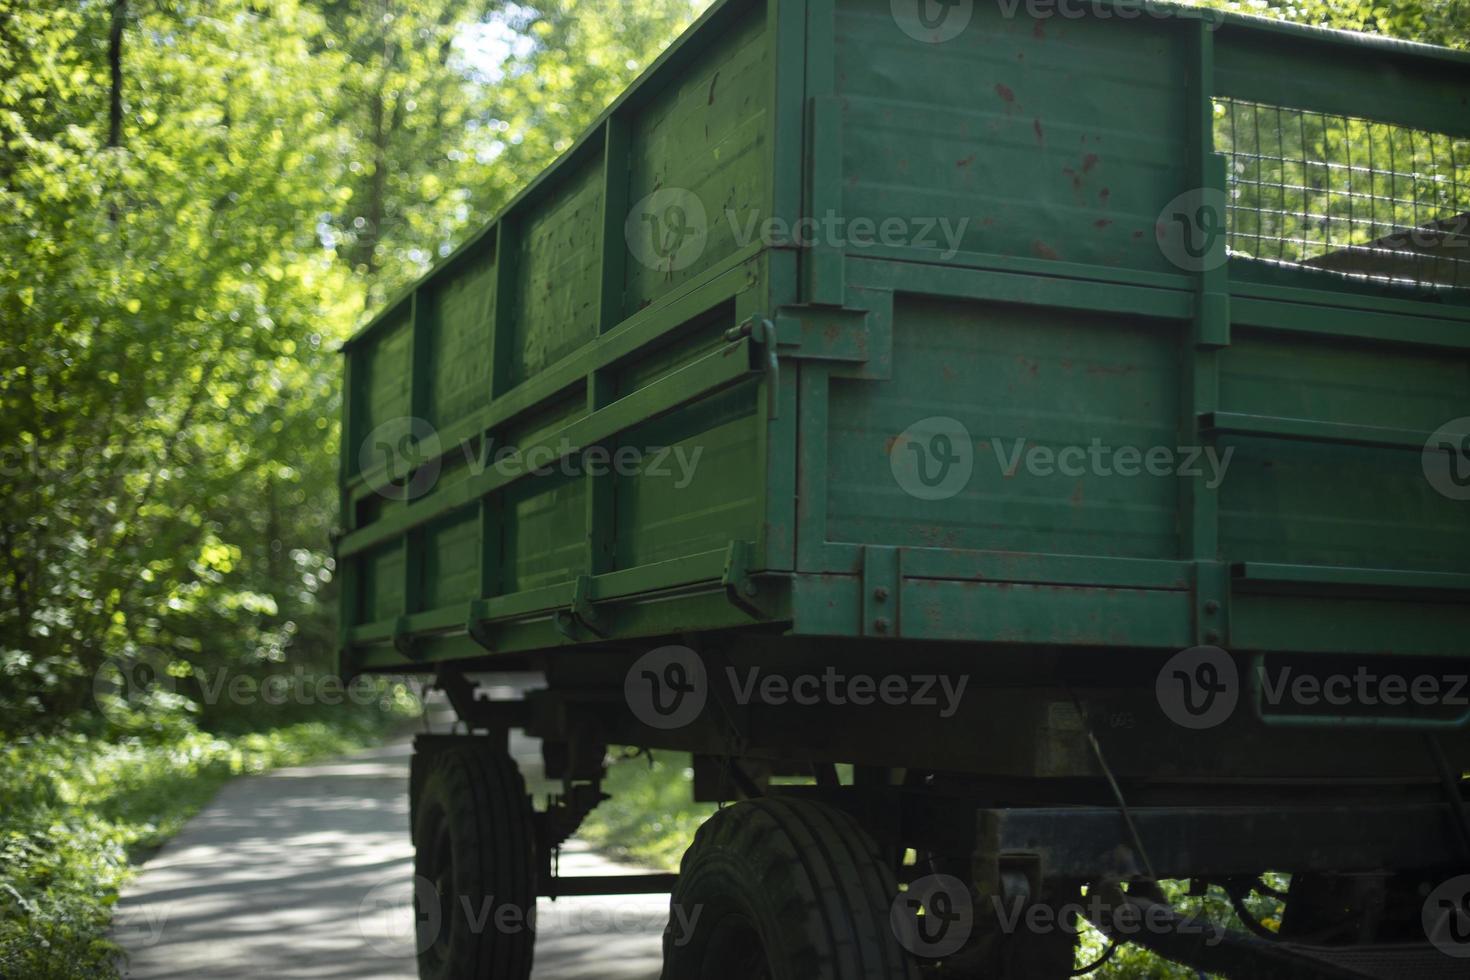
198	200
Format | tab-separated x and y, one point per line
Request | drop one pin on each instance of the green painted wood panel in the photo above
1012	379
558	287
697	486
1303	503
704	137
383	392
1060	138
380	585
451	561
459	352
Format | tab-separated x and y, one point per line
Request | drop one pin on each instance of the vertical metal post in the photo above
421	329
1209	332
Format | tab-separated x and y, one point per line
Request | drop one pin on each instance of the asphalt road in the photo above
307	873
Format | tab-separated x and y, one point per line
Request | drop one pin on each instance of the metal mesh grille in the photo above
1346	195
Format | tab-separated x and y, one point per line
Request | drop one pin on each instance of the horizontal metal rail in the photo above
575	887
1389	579
714	372
1310	430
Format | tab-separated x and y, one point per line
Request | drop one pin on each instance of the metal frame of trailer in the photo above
542	331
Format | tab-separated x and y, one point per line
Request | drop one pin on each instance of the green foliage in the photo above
171	304
172	291
650	819
1443	22
77	810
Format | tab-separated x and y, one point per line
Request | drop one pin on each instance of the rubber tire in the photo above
802	881
470	806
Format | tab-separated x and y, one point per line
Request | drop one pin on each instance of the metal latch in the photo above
762	333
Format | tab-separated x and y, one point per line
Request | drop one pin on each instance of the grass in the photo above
77	811
650	819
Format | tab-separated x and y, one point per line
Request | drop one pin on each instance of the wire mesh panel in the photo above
1346	195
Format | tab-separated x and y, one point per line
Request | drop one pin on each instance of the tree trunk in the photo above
115	62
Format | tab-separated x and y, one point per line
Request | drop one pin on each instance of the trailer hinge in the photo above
581	612
1211	603
882	586
740	588
762	334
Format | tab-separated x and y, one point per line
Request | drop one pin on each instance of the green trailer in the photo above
1057	413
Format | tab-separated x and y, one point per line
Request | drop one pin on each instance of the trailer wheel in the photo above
783	889
474	854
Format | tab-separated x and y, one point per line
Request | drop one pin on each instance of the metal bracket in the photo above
403	639
581	612
740	588
882	584
478	629
1211	603
762	334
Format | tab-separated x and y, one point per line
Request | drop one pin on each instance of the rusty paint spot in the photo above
949	373
1039	30
712	83
988	222
965	161
1005	93
832	332
1077	496
1102	222
1040	133
1118	370
1138	235
1105	195
889	443
1089	162
1043	250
